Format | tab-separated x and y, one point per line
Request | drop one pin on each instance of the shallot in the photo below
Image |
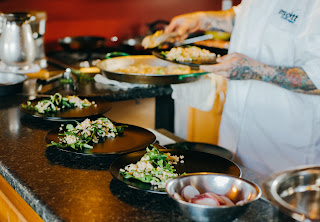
216	196
205	199
189	192
241	202
178	196
227	201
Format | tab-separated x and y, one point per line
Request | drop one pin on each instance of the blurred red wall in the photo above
122	18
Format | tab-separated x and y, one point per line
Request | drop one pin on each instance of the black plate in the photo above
194	64
134	138
193	162
218	51
202	147
100	107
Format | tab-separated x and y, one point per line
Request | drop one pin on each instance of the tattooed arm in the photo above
240	67
202	20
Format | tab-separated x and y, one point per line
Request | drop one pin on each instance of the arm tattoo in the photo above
220	24
245	71
291	78
218	21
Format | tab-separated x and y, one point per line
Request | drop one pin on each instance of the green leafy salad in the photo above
56	103
154	167
87	133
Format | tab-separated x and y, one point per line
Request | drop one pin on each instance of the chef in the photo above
271	116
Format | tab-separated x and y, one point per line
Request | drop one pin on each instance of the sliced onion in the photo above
205	199
227	201
241	202
178	197
189	192
218	197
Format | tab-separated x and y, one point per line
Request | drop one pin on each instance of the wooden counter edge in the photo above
13	207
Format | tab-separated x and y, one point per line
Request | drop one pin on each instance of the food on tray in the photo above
56	103
156	39
154	167
150	69
192	195
190	54
87	133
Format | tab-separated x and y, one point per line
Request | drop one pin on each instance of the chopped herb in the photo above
154	167
56	103
87	133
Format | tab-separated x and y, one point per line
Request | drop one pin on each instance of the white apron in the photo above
270	128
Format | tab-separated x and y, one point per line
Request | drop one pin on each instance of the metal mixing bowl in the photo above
296	192
11	83
234	188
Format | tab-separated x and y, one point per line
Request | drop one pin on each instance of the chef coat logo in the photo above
289	16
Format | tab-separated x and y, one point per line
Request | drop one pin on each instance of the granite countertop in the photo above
68	187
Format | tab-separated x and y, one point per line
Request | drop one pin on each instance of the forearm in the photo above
217	20
292	78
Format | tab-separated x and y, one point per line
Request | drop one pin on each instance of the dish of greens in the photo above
56	103
58	107
99	137
87	133
154	167
123	168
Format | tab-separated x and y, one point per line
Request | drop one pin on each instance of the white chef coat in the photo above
271	128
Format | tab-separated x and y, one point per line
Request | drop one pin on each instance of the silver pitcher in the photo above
17	46
38	28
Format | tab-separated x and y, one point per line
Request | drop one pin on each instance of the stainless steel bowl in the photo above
11	83
296	192
234	188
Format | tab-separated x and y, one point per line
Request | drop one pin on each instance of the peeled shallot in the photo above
191	194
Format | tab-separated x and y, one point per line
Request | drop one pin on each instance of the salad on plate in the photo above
86	133
56	103
155	167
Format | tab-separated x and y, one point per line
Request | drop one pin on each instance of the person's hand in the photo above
185	24
235	66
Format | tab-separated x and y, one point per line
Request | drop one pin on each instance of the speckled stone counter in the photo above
62	187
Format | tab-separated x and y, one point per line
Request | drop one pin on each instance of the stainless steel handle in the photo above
194	39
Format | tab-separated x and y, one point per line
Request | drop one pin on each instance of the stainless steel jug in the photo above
38	26
17	46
